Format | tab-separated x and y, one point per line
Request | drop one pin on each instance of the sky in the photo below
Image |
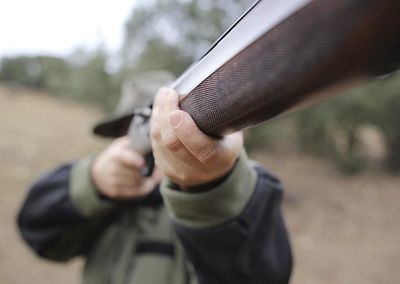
57	27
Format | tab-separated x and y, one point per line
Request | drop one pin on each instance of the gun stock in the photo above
281	55
317	50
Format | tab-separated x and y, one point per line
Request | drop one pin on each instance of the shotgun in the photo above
280	56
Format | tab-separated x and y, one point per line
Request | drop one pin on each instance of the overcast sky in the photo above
59	26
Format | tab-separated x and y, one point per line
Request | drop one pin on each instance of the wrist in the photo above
216	205
207	185
84	193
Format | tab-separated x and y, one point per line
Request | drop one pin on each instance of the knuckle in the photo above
171	97
208	155
161	92
114	154
155	133
188	133
172	143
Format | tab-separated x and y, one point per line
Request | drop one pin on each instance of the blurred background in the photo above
61	68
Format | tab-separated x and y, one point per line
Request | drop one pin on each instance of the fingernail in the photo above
176	119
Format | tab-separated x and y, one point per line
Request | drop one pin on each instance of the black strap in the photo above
155	247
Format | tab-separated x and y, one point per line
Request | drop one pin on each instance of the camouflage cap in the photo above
136	92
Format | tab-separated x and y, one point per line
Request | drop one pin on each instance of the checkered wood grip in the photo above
323	44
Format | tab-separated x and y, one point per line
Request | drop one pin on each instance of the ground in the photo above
343	229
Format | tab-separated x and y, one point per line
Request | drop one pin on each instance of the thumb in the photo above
199	144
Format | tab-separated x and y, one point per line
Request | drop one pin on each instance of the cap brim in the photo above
113	127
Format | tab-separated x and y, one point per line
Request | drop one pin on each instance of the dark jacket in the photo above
233	233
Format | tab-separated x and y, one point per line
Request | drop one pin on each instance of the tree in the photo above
81	77
376	103
40	72
170	34
90	81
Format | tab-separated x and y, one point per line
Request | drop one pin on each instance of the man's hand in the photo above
115	172
182	151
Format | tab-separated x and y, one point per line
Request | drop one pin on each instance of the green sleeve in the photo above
84	194
215	206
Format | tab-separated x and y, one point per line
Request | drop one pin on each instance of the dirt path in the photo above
36	133
344	230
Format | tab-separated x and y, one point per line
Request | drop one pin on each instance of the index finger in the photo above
199	144
158	100
130	158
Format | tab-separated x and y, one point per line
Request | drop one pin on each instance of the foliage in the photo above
386	115
87	81
170	34
41	72
332	128
90	81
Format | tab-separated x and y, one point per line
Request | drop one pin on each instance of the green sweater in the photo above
176	237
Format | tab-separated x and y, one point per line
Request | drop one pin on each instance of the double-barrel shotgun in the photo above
284	54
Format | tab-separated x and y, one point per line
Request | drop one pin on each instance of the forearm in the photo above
236	233
51	222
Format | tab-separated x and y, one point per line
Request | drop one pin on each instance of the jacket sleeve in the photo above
62	213
234	233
